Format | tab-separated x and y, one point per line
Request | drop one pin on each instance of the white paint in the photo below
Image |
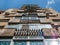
51	42
54	43
28	43
12	43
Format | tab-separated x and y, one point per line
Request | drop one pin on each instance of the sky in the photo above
7	4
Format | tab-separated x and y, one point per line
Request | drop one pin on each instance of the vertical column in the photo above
44	42
12	43
28	42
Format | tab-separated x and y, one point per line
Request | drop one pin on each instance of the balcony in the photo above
26	38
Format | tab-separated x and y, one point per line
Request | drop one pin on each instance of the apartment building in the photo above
30	25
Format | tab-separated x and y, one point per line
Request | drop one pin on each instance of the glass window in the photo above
31	26
19	43
36	37
39	26
51	42
25	18
30	18
19	26
21	37
37	43
33	18
4	42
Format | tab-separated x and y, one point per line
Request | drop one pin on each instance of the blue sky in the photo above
6	4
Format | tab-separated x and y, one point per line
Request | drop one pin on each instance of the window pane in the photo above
4	42
51	42
30	18
19	26
19	43
33	18
39	26
36	37
25	18
31	26
37	43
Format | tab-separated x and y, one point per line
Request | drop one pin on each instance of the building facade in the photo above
30	25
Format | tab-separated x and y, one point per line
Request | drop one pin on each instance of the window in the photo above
4	42
51	42
25	18
19	43
30	18
37	43
33	18
36	37
21	37
19	26
28	43
31	26
39	26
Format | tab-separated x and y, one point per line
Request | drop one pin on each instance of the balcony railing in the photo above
28	38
